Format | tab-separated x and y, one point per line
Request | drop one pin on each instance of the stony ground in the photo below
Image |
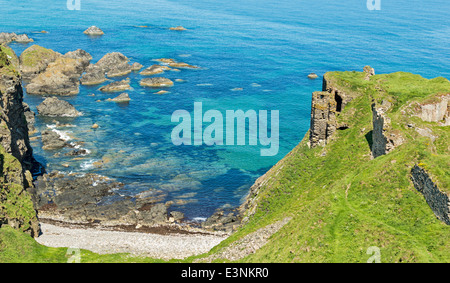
170	246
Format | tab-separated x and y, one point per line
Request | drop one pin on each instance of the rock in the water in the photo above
119	70
117	86
165	60
156	82
182	65
123	97
93	30
94	75
51	140
35	60
59	78
153	70
136	66
178	28
113	60
22	38
55	107
6	38
80	54
313	76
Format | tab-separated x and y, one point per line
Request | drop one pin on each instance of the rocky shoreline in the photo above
91	200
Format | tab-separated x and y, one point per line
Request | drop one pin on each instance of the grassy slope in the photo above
344	202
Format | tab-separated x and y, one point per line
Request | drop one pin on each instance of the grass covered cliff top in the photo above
341	200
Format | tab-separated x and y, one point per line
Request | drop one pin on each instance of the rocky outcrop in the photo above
13	127
55	107
91	198
156	82
113	64
438	201
6	38
52	140
16	208
35	60
94	75
222	221
59	78
384	138
81	55
117	86
94	31
123	97
136	66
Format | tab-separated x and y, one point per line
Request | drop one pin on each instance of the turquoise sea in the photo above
265	47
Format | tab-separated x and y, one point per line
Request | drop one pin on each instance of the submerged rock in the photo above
117	86
156	82
54	107
93	30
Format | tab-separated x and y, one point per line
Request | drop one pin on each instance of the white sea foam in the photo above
199	219
87	165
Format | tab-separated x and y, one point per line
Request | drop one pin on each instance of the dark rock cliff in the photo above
16	208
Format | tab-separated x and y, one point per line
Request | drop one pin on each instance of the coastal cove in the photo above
133	128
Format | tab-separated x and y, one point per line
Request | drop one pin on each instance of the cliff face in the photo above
16	208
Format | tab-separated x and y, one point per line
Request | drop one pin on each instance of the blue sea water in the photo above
265	47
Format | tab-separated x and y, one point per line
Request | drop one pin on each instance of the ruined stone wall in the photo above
438	201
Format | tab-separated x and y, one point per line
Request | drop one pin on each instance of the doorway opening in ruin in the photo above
338	99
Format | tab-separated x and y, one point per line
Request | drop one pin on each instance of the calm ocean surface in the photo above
265	47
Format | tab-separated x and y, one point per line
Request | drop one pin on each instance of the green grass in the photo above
340	199
8	65
345	202
35	54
